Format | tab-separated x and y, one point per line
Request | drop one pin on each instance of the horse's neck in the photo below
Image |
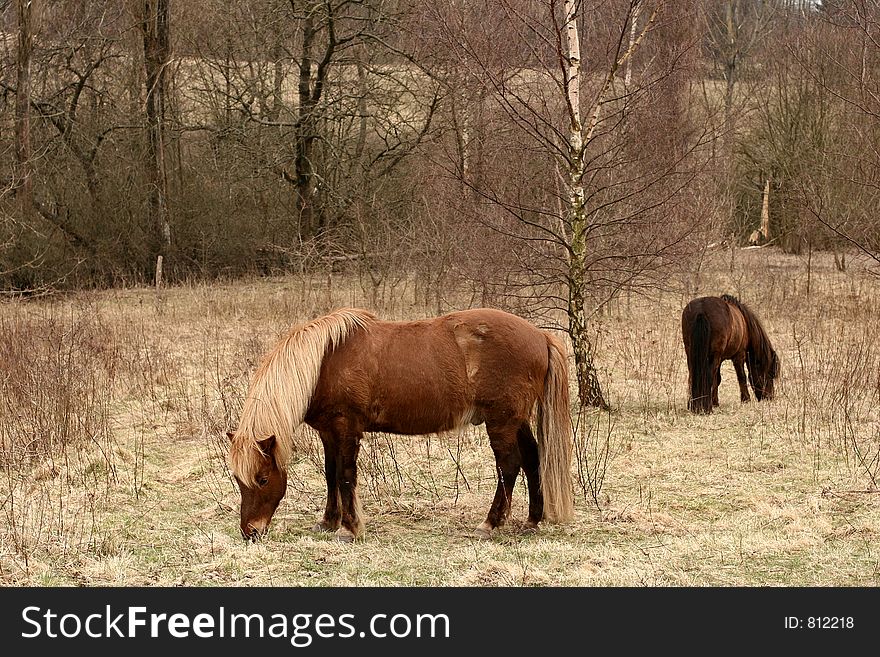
757	338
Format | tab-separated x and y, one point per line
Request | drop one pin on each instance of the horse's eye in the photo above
262	481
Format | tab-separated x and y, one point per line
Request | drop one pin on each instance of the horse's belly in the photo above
418	413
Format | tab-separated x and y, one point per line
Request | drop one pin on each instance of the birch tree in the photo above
598	152
588	383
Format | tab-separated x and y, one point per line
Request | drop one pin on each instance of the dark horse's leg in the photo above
716	384
691	404
332	513
738	364
503	439
346	478
528	450
342	442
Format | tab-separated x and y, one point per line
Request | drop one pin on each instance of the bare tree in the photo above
23	182
734	31
577	212
156	28
839	56
587	206
332	110
52	76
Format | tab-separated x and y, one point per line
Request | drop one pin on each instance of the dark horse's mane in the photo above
761	355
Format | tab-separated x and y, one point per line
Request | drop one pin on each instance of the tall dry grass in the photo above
57	448
114	408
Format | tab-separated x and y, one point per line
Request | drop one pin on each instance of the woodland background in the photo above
395	136
589	165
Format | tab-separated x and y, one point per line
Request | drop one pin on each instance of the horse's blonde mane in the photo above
282	388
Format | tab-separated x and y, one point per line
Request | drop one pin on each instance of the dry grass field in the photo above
114	407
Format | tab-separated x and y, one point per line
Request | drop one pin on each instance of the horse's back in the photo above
712	307
501	341
506	357
727	325
435	374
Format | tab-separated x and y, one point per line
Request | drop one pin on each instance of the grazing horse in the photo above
715	329
348	372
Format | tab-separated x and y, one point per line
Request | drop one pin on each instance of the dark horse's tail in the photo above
700	366
555	436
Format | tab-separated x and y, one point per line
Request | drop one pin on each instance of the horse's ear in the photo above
267	445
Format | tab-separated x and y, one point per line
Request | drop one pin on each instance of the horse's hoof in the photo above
344	536
483	532
529	528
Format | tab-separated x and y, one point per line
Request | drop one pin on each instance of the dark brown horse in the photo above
348	372
715	329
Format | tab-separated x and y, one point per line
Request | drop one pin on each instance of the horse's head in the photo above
763	372
260	497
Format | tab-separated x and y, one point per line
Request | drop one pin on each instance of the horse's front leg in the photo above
739	365
346	478
332	512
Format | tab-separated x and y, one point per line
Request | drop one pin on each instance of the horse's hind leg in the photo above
716	385
332	512
503	440
738	364
528	450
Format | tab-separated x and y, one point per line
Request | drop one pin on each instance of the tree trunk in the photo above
23	180
306	132
731	54
156	28
633	27
765	212
277	82
589	390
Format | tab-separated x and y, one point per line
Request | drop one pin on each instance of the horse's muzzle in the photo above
253	534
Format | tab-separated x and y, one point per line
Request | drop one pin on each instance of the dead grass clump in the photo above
54	389
56	442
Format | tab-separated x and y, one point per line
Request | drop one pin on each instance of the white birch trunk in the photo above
765	212
634	22
589	391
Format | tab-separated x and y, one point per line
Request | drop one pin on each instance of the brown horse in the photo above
715	329
349	372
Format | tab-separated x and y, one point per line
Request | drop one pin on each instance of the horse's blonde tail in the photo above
555	436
